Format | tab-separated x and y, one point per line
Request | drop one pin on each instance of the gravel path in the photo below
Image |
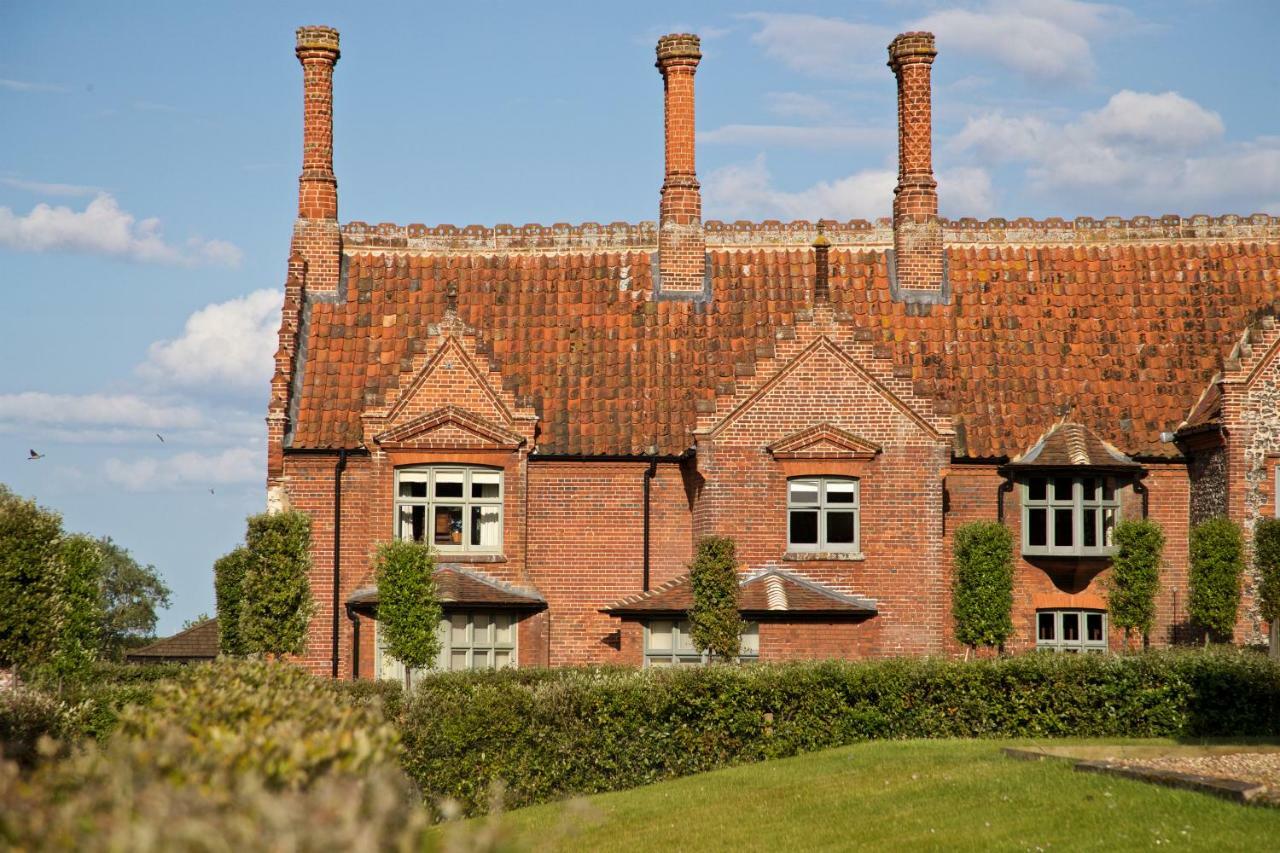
1261	767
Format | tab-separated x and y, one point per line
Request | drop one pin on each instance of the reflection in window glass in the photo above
452	508
1071	631
668	643
823	514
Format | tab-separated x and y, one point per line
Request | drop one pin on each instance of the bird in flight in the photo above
32	456
211	491
161	437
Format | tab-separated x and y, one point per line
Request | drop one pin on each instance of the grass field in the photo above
883	795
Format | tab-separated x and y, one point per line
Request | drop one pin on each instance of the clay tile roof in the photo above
457	585
1125	334
199	642
1072	445
770	591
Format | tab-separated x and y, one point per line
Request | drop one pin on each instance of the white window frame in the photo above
389	668
822	507
1077	504
467	502
1081	645
683	652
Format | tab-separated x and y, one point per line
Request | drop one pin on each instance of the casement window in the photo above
452	508
468	640
822	514
1072	631
1067	516
667	643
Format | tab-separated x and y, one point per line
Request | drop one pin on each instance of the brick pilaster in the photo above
917	233
681	242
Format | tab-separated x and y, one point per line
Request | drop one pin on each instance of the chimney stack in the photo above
681	242
316	236
917	233
822	266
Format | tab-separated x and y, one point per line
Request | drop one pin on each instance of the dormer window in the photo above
1069	516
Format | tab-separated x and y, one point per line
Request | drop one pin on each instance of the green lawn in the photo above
890	795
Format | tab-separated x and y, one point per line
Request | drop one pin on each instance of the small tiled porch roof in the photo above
1072	445
465	587
769	592
199	642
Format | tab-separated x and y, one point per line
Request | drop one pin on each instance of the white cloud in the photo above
112	410
42	188
1041	39
1161	152
226	343
102	228
1047	40
822	47
28	86
797	105
203	470
746	190
793	136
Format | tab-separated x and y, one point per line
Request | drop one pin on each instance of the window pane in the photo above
803	491
1063	527
750	639
1090	528
1108	489
458	630
481	635
804	527
1037	528
841	491
482	659
485	484
839	528
1062	489
448	525
660	635
1090	488
413	523
1037	489
1045	626
1108	525
413	485
1071	627
683	641
502	659
458	660
449	484
1093	625
503	627
486	526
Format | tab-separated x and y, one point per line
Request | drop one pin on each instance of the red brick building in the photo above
564	411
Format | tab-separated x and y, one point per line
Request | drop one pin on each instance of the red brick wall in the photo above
585	546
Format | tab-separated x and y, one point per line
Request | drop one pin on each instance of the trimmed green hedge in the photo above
549	734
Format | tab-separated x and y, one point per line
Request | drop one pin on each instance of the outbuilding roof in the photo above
199	642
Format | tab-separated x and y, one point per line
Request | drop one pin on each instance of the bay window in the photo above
1064	516
452	508
468	641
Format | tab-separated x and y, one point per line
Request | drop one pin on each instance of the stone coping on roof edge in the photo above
591	236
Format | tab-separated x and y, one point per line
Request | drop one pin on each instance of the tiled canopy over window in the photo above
451	508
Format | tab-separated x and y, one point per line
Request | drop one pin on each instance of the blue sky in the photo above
149	159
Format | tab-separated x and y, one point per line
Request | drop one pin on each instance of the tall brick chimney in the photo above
917	233
315	235
681	242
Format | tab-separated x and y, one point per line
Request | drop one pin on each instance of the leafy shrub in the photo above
1135	576
408	603
549	734
25	717
77	645
1266	559
714	622
276	604
272	719
982	597
228	588
1217	560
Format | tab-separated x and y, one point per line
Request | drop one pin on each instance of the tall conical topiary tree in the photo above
715	625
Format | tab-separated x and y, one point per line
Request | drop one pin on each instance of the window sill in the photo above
1068	555
807	556
464	557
